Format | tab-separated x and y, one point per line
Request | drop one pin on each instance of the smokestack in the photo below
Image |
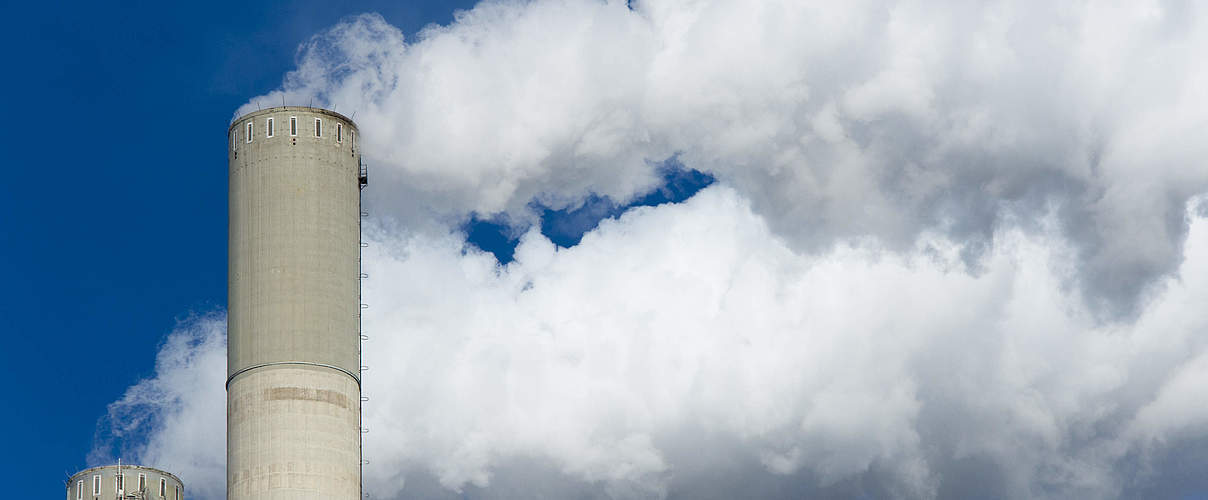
293	355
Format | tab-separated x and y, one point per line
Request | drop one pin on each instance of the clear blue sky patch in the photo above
566	227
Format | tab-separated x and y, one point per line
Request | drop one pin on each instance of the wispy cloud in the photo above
176	419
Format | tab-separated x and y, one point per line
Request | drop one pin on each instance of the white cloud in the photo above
176	419
953	251
693	326
837	120
696	316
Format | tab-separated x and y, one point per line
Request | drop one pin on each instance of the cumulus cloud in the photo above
953	250
865	119
685	350
690	336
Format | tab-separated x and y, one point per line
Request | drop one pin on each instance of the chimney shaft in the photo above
293	345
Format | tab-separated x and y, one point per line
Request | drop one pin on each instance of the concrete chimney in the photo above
293	353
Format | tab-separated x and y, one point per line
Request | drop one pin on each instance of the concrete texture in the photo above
82	484
293	357
292	432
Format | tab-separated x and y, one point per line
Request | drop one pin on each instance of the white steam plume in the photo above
837	120
953	252
176	420
685	351
677	323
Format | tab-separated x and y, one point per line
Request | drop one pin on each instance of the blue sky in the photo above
642	249
114	207
113	224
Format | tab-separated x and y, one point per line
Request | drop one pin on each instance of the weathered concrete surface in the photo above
293	432
293	359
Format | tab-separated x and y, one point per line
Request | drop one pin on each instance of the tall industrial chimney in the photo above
293	326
